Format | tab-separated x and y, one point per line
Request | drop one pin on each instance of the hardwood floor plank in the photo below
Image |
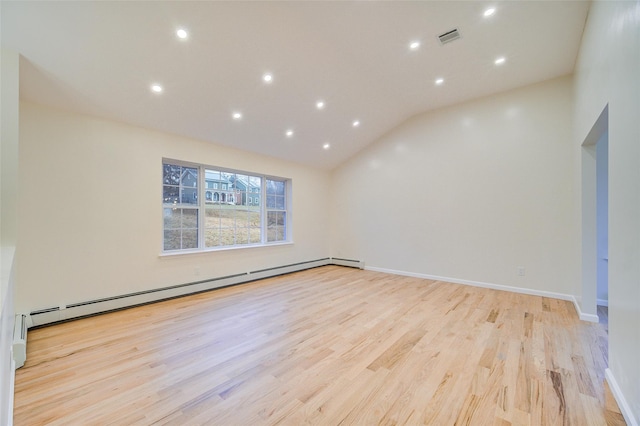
397	351
330	345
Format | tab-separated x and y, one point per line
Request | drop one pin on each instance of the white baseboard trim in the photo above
532	292
620	399
582	315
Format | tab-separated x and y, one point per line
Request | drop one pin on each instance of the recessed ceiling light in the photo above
182	33
500	60
489	12
439	81
326	146
356	123
289	133
320	104
268	78
156	88
414	45
237	115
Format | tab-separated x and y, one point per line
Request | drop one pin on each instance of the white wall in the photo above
470	192
607	73
8	221
90	210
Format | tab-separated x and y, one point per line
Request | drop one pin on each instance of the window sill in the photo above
223	249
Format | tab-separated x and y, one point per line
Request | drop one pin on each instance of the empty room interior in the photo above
243	213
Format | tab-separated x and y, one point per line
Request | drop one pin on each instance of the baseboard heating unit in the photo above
20	340
77	310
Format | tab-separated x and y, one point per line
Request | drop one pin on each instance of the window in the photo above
276	210
235	215
180	209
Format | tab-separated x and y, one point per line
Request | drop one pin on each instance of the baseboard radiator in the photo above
77	310
20	340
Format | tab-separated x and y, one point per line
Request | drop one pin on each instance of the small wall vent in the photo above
449	36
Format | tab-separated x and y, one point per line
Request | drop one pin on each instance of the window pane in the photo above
227	236
271	235
242	181
255	182
212	175
189	239
232	178
172	240
171	174
189	177
189	196
242	219
242	236
271	201
212	237
275	187
276	234
189	218
254	218
271	219
227	216
172	218
169	194
212	218
227	177
280	203
255	235
275	219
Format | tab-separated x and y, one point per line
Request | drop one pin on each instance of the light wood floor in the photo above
327	346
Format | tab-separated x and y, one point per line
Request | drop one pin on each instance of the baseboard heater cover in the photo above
347	262
20	340
77	310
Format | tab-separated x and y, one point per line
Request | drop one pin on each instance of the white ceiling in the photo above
100	58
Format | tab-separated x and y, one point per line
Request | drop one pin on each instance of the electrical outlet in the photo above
521	271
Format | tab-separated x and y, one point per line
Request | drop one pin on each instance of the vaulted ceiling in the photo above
101	58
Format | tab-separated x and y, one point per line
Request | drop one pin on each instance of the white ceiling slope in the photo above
100	58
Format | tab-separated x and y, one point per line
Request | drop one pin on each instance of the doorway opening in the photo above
595	218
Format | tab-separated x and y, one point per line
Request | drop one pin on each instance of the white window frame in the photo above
200	207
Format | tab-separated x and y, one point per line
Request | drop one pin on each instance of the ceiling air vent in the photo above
449	36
